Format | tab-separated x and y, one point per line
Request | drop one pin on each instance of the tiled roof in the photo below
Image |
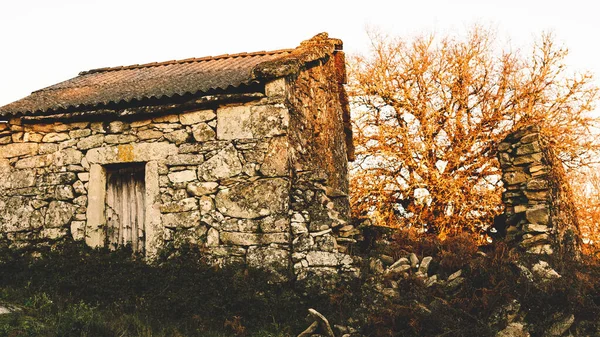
105	86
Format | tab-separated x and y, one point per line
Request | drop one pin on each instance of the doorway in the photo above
125	206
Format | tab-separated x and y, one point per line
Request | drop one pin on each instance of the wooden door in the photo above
125	200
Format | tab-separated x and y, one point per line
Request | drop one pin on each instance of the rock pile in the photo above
411	266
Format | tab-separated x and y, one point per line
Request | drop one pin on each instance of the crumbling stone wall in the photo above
540	215
321	231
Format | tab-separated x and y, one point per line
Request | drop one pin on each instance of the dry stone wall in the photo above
320	228
540	216
222	179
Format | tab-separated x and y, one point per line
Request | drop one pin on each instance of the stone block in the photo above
166	119
55	137
138	124
253	239
203	133
189	204
222	251
149	134
14	179
61	178
81	200
181	220
202	188
207	204
80	133
119	139
234	122
528	148
538	214
117	127
32	137
276	159
59	214
196	117
212	238
515	177
127	153
269	120
78	230
254	199
47	148
274	260
67	156
16	213
276	88
34	161
274	224
224	164
177	137
537	183
17	137
185	159
504	146
63	192
303	242
53	233
298	228
527	159
535	228
18	149
90	142
316	258
535	239
251	121
182	176
537	195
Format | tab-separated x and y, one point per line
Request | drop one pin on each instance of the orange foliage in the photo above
428	114
586	192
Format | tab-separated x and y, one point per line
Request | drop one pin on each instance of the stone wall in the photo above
540	215
321	232
216	177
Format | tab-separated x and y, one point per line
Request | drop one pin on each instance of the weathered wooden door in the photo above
125	206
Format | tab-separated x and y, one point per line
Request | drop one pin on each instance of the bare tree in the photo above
429	112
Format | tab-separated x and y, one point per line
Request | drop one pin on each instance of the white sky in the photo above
43	42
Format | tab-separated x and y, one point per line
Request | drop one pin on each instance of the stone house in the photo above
244	155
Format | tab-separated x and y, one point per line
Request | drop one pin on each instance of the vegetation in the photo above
73	290
586	181
76	291
429	113
494	290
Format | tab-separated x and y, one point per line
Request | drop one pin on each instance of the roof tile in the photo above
120	84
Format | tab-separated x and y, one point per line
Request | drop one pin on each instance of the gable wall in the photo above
321	232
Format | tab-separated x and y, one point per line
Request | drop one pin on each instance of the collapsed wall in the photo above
540	214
